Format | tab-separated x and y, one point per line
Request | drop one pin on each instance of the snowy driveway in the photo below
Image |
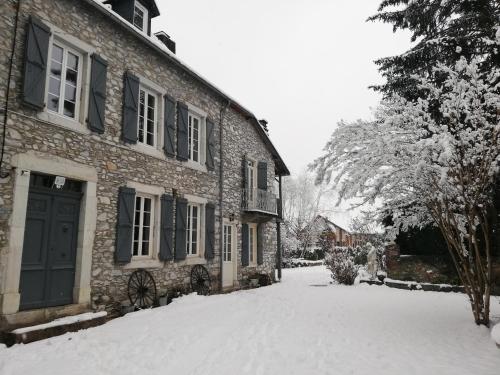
288	328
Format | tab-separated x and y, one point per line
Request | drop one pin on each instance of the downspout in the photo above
278	230
9	79
221	187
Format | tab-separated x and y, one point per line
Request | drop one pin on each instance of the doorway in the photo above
50	242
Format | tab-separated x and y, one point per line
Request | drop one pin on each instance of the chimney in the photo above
263	123
165	39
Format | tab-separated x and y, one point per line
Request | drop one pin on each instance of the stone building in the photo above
119	157
336	234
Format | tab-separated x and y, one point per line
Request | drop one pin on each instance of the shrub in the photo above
341	262
360	254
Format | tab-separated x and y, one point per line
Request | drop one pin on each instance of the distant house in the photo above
326	229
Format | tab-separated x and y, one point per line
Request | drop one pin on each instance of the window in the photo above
147	117
228	242
194	123
140	17
251	178
143	227
252	243
64	86
193	229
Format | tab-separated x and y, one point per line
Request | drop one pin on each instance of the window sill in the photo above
143	263
63	122
148	150
197	166
193	260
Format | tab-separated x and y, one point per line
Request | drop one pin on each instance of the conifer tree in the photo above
441	31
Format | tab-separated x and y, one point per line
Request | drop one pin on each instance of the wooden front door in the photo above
50	241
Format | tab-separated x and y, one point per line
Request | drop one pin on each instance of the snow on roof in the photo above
331	225
160	47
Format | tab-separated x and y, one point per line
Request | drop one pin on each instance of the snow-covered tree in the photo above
303	201
431	161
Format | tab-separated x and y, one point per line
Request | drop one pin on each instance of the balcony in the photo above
259	201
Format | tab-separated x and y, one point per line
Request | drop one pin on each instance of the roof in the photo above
280	166
331	223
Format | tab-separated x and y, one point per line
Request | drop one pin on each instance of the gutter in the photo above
281	168
221	188
9	80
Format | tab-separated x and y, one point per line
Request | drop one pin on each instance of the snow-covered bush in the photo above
341	262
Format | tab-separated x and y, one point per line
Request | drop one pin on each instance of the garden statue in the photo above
372	260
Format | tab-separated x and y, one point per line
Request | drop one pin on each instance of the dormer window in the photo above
138	12
140	17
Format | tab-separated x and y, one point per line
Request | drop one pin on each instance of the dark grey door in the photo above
49	250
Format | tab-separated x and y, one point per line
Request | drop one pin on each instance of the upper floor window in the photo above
147	117
63	90
251	178
143	226
140	17
194	132
193	229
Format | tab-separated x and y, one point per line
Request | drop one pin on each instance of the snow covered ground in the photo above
299	326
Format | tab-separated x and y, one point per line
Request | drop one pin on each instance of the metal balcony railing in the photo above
259	200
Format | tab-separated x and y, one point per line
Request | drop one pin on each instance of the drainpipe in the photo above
278	229
221	188
9	79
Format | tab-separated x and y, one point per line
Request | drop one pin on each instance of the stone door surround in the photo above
10	264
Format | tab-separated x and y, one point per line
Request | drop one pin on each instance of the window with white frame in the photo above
252	243
228	243
148	113
251	171
65	81
194	137
193	229
140	17
142	244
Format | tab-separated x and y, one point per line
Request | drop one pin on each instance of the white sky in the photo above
303	65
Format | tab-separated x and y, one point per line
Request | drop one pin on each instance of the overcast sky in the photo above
303	65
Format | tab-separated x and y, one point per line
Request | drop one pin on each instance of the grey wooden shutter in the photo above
35	62
182	132
180	229
130	107
124	230
262	175
245	251
97	100
210	160
260	244
209	231
244	173
167	228
169	126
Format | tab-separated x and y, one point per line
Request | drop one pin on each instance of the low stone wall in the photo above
424	269
432	269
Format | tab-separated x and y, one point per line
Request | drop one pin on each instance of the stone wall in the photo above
117	163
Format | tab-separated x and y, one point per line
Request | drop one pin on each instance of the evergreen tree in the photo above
442	31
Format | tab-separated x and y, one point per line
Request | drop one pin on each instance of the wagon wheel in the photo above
141	289
200	280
